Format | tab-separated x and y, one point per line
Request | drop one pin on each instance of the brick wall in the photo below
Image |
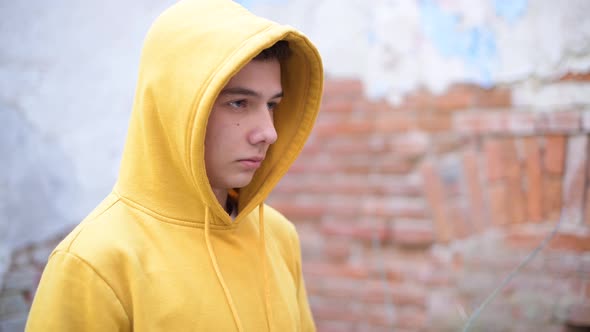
410	215
20	283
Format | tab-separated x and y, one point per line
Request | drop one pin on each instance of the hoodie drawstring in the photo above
262	253
228	297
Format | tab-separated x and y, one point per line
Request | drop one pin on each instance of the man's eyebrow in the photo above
246	92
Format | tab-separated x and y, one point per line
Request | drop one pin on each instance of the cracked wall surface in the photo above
396	47
67	75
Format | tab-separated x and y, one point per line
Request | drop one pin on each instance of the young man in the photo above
224	104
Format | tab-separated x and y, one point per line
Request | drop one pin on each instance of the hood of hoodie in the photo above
190	53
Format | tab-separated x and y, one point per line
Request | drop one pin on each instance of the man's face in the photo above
240	127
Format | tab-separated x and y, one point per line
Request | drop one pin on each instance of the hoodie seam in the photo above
169	220
83	225
87	264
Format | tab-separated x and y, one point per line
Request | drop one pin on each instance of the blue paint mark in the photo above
371	37
510	10
378	89
245	3
475	45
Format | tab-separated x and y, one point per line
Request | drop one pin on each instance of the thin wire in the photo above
511	275
378	250
388	299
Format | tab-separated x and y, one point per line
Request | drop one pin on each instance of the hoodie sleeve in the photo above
72	296
307	323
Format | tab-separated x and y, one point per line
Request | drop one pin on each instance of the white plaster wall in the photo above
67	75
396	46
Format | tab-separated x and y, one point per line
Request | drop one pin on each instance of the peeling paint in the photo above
475	46
396	47
511	10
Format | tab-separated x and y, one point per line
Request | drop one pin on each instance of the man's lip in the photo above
251	163
252	159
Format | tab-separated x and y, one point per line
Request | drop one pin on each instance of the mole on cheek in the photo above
237	124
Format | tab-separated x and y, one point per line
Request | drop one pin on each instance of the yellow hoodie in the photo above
160	253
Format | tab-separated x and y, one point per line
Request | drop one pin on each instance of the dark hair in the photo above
280	51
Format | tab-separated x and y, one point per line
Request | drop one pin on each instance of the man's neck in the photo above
221	195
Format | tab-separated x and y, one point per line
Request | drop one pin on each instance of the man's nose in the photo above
265	131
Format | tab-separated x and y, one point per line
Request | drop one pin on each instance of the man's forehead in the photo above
238	90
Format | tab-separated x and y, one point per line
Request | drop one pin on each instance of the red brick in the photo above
338	105
551	197
521	122
391	122
357	128
411	319
494	160
418	100
336	310
502	159
553	159
434	122
298	211
479	122
360	230
578	77
413	234
388	164
498	203
586	120
381	107
533	173
497	97
409	146
433	188
442	144
337	251
334	326
395	208
350	145
458	216
406	186
343	88
560	122
561	241
575	179
313	166
516	201
375	291
457	97
332	270
474	189
353	185
379	316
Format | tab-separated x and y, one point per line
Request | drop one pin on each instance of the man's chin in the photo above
241	183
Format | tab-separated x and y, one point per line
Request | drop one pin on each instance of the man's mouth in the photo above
251	163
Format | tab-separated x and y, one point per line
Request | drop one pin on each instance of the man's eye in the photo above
271	106
238	103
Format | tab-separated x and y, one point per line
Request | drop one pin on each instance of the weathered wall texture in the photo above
411	215
453	138
67	75
396	47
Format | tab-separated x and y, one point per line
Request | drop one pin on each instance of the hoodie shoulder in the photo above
67	243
